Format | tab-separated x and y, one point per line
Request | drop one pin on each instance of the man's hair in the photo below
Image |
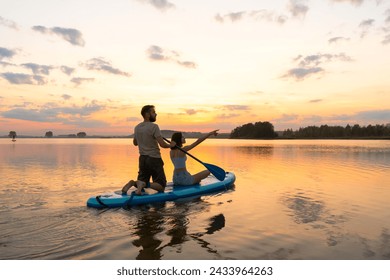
146	109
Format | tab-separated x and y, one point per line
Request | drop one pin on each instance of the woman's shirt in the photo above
179	162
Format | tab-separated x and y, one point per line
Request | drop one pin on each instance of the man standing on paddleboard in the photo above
148	138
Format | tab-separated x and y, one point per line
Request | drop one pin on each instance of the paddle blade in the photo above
218	172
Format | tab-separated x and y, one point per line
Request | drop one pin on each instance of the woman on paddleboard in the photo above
180	174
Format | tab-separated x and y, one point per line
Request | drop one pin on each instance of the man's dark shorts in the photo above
151	167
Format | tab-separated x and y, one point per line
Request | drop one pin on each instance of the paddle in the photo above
218	172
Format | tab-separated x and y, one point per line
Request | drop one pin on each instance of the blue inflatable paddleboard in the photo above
206	186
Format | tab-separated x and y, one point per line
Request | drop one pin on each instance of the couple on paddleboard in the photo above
148	138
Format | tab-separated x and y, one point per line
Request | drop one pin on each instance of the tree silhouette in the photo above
81	135
259	130
12	134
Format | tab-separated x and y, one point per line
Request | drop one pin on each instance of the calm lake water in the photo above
321	199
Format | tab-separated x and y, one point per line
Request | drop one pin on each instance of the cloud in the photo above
386	29
374	115
85	110
315	101
367	23
7	53
66	96
161	5
188	112
6	64
133	119
285	118
294	120
269	16
73	36
23	79
157	53
188	64
353	2
302	73
233	111
50	112
231	16
362	117
67	70
311	64
28	114
317	59
258	15
387	14
38	69
228	116
235	107
8	23
297	8
100	64
365	26
336	40
78	80
191	111
386	40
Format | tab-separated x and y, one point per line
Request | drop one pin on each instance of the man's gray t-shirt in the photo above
146	134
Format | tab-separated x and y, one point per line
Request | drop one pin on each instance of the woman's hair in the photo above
177	137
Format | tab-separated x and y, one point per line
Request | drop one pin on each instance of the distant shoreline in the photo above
218	137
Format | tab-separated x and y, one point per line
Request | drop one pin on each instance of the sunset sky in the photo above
71	66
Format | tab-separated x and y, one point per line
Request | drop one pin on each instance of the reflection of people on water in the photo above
152	223
149	225
216	223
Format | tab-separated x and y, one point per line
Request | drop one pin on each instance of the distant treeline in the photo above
325	131
258	130
265	130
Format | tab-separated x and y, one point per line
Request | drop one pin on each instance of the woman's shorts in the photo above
183	178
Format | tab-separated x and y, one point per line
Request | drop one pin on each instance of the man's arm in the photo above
135	143
164	144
